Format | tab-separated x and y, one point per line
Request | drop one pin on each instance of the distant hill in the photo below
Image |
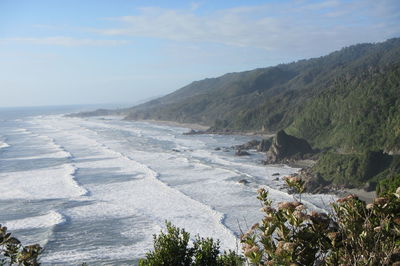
348	100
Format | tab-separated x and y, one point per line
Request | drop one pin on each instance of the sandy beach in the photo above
196	127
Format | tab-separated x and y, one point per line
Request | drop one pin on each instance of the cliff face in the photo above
285	147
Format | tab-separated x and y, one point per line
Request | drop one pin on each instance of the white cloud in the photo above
65	41
194	5
297	26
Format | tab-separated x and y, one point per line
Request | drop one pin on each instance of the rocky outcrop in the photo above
241	153
313	183
252	144
286	148
264	145
259	145
243	181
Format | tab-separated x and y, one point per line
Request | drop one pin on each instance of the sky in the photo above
123	51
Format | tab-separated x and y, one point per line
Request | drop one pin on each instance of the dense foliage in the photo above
353	170
172	248
356	113
12	252
353	234
388	185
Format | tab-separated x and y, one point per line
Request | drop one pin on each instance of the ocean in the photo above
95	190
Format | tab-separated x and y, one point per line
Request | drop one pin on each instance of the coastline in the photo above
203	129
192	126
366	196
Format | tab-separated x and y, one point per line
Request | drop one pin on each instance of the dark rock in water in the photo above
264	145
176	150
241	153
275	174
191	132
217	149
243	181
286	147
253	144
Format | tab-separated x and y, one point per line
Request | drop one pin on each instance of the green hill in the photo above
348	100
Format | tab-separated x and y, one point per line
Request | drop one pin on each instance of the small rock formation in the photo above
313	183
264	145
191	132
241	153
217	149
316	184
252	144
261	146
275	174
243	181
285	148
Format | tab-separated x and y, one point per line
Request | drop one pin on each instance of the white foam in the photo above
21	130
3	145
54	182
99	254
194	189
50	219
147	195
54	155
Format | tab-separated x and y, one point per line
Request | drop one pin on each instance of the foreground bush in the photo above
172	248
354	234
12	251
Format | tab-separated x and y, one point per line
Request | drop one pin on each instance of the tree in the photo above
172	248
13	252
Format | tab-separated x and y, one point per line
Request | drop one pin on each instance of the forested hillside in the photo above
348	100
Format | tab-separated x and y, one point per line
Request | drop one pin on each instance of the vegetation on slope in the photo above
348	100
355	170
356	114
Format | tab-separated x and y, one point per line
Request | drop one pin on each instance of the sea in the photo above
96	190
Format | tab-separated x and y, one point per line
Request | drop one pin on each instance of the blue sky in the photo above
97	51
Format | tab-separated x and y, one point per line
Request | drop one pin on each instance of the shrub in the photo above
388	185
353	234
13	252
172	248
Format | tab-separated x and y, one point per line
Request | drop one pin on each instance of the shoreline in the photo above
202	129
192	126
366	196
